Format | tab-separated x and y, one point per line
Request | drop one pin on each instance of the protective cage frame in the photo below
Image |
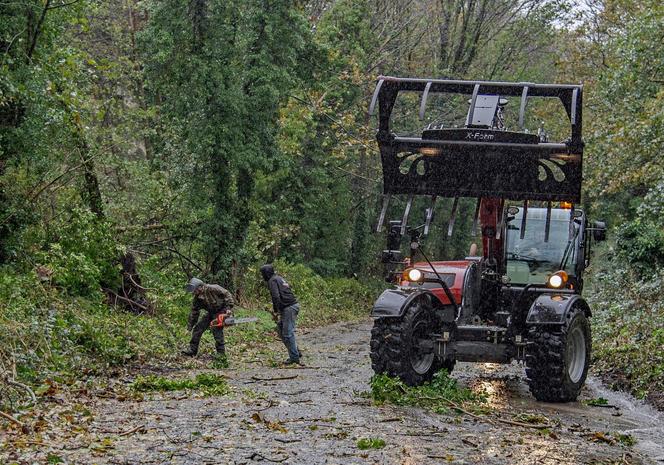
479	161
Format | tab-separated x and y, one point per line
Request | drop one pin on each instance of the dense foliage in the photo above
210	136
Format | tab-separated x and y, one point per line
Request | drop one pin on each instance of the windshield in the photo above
531	260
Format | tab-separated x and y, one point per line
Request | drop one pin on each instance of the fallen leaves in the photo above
258	417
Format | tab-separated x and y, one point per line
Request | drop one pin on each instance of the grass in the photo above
207	383
370	443
439	395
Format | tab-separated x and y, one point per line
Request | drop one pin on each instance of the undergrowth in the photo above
48	331
440	395
628	330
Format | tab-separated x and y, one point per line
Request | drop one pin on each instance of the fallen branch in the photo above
136	284
25	388
12	419
129	301
287	441
258	456
296	393
278	378
486	419
131	431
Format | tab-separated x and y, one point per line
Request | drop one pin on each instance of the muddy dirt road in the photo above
316	415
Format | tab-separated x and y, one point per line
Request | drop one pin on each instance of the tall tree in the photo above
219	71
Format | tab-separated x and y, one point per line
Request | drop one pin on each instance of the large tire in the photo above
557	358
397	346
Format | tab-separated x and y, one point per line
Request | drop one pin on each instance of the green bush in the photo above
641	244
47	332
83	255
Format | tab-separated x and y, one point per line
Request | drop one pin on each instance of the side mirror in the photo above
599	230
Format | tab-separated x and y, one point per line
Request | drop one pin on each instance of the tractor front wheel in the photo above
557	359
403	347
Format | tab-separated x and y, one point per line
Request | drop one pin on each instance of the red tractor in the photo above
521	298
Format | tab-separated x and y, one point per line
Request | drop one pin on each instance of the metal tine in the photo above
374	98
425	95
450	227
522	108
476	218
547	225
406	212
571	223
572	117
473	99
523	219
499	228
427	223
383	212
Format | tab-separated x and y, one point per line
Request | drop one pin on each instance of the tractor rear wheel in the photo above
557	359
403	347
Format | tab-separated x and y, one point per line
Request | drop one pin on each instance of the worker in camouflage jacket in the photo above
215	300
286	308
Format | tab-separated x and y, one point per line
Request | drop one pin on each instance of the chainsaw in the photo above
224	320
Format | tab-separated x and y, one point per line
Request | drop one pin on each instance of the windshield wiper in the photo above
523	258
568	249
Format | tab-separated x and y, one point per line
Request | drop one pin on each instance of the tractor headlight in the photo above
414	275
557	280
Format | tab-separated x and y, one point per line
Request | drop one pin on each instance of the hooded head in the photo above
193	284
267	271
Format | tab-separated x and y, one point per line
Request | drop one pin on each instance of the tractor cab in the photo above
518	296
533	256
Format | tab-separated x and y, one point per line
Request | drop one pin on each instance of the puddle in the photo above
647	423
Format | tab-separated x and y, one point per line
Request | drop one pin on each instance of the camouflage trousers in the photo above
199	329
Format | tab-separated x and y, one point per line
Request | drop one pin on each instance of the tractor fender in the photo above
553	308
393	303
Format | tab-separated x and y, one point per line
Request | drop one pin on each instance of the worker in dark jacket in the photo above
286	308
215	300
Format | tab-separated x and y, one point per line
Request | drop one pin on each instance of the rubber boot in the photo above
190	352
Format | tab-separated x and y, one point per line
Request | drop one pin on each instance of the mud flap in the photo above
552	309
393	303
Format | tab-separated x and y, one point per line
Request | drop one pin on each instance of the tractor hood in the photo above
453	273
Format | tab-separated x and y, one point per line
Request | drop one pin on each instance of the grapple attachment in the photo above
481	159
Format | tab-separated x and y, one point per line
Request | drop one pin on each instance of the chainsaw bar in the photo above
222	320
236	321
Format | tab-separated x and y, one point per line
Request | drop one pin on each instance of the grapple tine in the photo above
523	219
450	227
429	217
406	212
473	100
547	225
383	212
425	96
499	227
374	99
476	217
522	108
575	96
